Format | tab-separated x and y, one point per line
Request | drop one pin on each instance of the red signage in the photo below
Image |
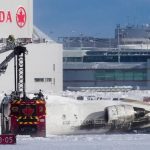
5	17
16	19
7	139
21	17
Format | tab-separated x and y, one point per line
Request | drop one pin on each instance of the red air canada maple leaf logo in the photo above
21	17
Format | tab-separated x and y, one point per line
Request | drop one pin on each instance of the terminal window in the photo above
122	75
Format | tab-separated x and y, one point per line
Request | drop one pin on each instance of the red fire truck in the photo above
23	116
20	114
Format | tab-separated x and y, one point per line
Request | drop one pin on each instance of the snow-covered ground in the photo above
86	141
132	94
82	142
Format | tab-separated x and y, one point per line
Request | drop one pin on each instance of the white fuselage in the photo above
65	116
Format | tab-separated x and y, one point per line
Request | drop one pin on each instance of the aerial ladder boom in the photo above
19	68
3	65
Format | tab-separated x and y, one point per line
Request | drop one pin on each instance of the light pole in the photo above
81	42
118	37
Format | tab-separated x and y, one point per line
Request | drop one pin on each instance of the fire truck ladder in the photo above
19	68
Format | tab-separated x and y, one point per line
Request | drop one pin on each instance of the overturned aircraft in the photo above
95	117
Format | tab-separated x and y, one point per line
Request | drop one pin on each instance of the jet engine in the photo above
123	116
119	114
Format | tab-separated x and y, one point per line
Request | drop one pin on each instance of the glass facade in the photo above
110	57
121	75
115	58
72	59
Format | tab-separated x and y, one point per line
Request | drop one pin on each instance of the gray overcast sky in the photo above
89	17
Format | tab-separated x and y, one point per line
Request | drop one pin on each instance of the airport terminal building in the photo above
101	62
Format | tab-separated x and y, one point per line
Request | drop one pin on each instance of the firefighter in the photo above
11	41
40	94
